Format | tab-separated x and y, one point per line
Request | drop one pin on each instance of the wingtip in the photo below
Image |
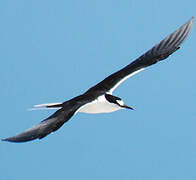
189	23
7	140
14	140
191	19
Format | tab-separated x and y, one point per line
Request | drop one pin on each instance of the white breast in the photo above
100	105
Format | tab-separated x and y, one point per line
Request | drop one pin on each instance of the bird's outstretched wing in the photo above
44	128
159	52
51	124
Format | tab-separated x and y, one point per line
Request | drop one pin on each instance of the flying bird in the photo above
100	98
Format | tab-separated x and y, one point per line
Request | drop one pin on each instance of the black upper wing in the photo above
52	123
44	128
159	52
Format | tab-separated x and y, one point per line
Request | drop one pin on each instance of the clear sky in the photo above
51	51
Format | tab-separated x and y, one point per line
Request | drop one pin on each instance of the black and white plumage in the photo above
99	98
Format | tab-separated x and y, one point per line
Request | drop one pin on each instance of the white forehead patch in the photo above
120	102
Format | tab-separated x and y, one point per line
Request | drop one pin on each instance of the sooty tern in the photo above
99	98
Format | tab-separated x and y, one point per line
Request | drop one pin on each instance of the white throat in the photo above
99	105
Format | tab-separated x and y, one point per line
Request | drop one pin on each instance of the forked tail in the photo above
46	106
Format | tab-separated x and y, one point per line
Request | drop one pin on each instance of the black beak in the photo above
127	107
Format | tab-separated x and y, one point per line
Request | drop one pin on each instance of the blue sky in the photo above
51	51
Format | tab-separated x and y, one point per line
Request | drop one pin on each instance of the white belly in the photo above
100	105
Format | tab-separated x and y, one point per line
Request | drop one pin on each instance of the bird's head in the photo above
118	101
